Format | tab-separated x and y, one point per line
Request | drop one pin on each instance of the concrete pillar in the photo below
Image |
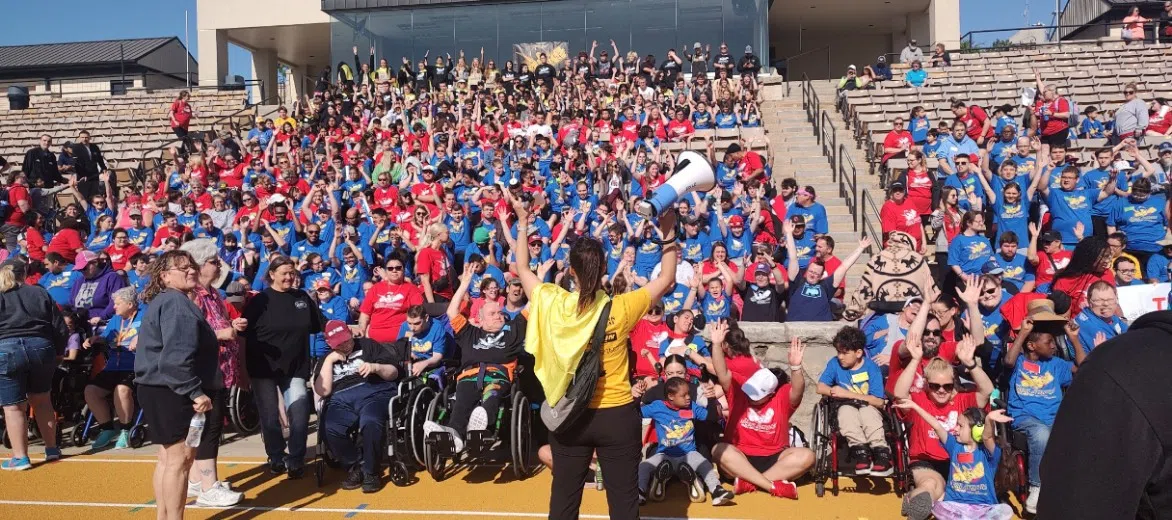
213	56
944	19
296	84
264	68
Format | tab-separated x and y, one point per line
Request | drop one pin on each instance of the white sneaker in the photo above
430	427
478	421
194	489
219	496
1031	505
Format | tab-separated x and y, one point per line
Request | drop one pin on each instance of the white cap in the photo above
276	198
852	67
1122	165
760	385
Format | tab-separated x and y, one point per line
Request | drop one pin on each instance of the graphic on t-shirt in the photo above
491	341
675	434
389	301
978	250
812	291
759	422
761	297
949	424
968	474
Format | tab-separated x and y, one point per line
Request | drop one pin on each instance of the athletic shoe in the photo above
16	464
722	497
277	467
353	480
430	427
105	437
52	454
642	497
743	487
219	496
194	489
1031	505
881	462
478	421
860	460
918	507
371	484
687	476
659	480
784	489
123	440
296	473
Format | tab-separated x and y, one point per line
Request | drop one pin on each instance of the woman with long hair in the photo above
433	268
945	224
1091	262
176	369
30	325
610	427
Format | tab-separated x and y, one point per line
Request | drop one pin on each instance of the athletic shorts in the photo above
167	414
939	466
108	379
762	463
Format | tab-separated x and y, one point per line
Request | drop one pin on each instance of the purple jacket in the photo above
96	294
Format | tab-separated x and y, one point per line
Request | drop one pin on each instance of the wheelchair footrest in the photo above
480	442
442	443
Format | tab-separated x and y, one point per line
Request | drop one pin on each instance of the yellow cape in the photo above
557	336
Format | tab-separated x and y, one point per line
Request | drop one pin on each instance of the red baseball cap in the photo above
736	220
337	333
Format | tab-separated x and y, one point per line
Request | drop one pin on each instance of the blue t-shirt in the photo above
804	249
739	247
872	327
696	249
60	286
1002	151
674	428
693	342
969	253
996	334
1035	387
1143	222
120	334
867	379
352	279
1090	325
303	248
919	127
1097	180
969	185
815	216
1068	208
1012	217
647	255
673	301
1157	268
810	302
490	271
435	340
970	474
716	308
141	238
1017	270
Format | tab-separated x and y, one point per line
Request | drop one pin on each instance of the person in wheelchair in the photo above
852	377
1036	383
941	400
118	341
756	451
973	457
357	376
427	337
675	416
488	356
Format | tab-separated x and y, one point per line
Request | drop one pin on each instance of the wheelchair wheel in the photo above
823	464
418	410
242	411
521	436
434	462
138	436
77	436
902	474
400	475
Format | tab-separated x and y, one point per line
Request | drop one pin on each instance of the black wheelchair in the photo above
322	457
513	424
1015	453
242	411
406	413
827	445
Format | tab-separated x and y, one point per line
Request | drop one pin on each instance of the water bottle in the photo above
195	430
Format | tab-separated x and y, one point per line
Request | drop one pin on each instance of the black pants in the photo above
214	426
1099	226
469	395
181	133
364	407
614	433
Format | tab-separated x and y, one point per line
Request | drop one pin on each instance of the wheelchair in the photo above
406	413
87	430
513	425
394	445
242	411
828	444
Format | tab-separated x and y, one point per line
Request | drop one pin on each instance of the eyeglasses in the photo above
1103	301
394	268
936	387
1126	271
988	292
655	312
184	268
934	332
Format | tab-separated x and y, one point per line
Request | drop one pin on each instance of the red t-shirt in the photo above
180	113
903	217
677	130
428	188
1052	125
435	264
17	193
831	265
66	243
974	121
119	257
647	336
896	140
919	190
896	367
387	305
758	431
385	197
922	441
1160	120
165	232
1077	287
750	163
36	244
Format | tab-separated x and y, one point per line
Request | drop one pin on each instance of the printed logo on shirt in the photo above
1076	201
761	297
812	291
492	341
390	301
759	422
948	422
978	250
677	433
967	475
300	305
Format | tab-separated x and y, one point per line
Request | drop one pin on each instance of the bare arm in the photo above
840	273
529	280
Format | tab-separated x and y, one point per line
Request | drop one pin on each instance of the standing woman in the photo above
611	425
175	367
432	265
181	115
280	321
30	326
201	479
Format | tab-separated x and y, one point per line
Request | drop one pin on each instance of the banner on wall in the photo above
1137	300
529	53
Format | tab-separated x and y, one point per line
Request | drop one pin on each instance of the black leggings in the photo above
214	426
469	395
614	433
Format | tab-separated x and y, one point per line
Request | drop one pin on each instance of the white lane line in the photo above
294	509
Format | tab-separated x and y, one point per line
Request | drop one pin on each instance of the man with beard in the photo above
927	330
1163	164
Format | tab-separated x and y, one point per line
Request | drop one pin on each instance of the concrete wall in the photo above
232	14
77	88
846	48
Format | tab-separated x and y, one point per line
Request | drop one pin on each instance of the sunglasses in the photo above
934	332
989	291
936	387
655	312
394	268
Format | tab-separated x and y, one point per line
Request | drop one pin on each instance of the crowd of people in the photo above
397	221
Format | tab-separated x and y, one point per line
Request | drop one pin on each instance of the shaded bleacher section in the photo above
1089	73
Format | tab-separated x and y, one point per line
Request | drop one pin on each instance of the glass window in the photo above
518	23
434	33
476	28
700	21
605	22
653	27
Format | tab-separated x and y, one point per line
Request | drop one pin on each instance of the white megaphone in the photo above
692	173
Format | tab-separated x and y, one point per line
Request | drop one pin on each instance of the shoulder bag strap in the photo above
599	336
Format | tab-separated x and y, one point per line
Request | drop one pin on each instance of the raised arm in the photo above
717	332
840	273
666	280
529	280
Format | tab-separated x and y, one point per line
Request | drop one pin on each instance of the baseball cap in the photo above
1165	146
897	186
736	220
748	49
696	45
135	212
321	283
882	58
992	267
798	220
83	259
337	333
852	67
234	293
760	384
762	269
1122	165
1049	236
691	220
480	236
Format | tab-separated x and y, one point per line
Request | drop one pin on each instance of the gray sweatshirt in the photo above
177	348
1132	117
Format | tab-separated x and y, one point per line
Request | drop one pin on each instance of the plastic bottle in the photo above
195	430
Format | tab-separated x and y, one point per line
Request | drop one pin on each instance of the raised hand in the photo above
718	331
966	349
797	350
972	290
1100	338
914	347
998	416
1027	325
1071	328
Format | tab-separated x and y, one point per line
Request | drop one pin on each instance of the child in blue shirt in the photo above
973	457
675	428
1035	391
856	380
333	308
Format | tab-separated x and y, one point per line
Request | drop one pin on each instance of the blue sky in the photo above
80	20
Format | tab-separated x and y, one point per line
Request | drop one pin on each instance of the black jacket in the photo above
89	162
28	311
41	165
1110	449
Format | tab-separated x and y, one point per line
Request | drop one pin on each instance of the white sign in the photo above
1137	300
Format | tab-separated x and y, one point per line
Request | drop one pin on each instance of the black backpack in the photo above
561	416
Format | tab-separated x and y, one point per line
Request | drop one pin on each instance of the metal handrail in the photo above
968	37
829	143
869	212
848	189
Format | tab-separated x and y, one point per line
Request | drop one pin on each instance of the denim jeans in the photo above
1037	436
365	407
26	367
297	406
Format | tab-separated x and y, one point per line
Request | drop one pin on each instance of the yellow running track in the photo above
104	485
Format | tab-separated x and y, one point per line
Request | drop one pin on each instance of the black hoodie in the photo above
1110	450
